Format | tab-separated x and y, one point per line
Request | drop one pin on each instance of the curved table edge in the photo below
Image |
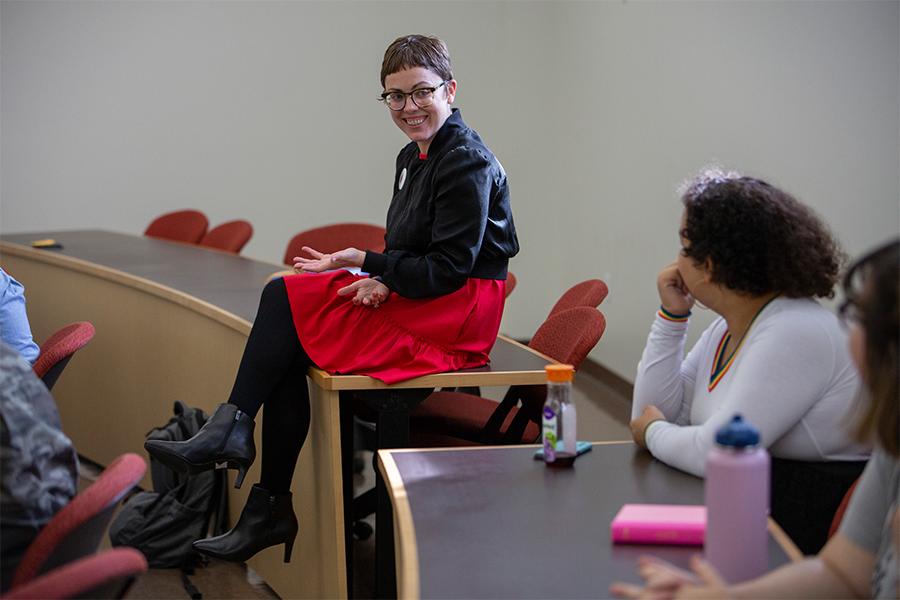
407	553
145	285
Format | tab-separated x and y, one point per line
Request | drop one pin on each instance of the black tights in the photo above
273	374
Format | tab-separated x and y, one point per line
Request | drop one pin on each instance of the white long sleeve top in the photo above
792	378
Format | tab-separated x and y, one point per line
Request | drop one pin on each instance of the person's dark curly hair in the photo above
759	239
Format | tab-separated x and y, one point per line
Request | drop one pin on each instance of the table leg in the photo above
347	427
393	432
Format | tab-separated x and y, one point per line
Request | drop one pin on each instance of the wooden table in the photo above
492	522
172	320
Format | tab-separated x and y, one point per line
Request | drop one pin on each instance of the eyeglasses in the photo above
422	97
850	312
851	309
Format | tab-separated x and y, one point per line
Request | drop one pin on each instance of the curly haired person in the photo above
861	559
758	258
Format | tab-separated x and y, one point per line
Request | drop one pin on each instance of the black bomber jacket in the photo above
449	218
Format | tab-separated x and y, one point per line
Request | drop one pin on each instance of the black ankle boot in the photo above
226	437
267	520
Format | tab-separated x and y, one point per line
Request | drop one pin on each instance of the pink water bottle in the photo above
737	503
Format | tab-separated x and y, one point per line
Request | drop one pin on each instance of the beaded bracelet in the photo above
673	317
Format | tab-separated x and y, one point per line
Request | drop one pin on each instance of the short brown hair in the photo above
872	286
410	51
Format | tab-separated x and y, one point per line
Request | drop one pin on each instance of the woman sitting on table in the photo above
756	257
432	302
862	559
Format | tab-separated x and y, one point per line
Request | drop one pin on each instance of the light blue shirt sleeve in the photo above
14	328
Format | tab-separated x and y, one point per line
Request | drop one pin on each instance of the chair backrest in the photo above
569	335
587	293
841	509
511	282
332	238
182	226
566	337
230	237
58	349
108	574
76	530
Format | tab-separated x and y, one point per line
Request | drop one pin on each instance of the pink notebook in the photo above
682	525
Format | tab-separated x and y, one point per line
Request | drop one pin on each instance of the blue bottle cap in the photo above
737	434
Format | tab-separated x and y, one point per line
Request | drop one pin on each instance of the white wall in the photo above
112	113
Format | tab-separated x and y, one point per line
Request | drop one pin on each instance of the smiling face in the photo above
421	124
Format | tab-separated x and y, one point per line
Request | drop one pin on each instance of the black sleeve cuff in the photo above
374	263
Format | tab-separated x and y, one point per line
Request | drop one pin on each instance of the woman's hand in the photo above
348	257
639	425
367	292
710	584
673	294
661	580
664	581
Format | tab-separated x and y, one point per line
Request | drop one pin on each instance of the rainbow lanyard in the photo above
721	366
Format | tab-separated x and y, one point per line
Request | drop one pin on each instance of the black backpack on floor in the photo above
163	523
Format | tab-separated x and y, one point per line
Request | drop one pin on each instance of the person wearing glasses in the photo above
862	559
757	258
431	302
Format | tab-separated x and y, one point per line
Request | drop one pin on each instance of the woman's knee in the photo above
275	287
274	295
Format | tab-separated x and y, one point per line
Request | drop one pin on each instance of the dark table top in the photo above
495	523
227	281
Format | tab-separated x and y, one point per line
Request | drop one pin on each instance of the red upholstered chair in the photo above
182	226
230	237
76	530
590	292
511	282
842	508
332	238
566	337
59	348
108	574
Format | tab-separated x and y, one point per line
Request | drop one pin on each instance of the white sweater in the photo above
792	378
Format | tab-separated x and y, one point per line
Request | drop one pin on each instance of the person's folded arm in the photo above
665	378
462	186
773	384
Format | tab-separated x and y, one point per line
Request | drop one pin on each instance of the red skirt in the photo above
401	339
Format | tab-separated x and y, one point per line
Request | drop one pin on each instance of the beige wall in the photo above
112	113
